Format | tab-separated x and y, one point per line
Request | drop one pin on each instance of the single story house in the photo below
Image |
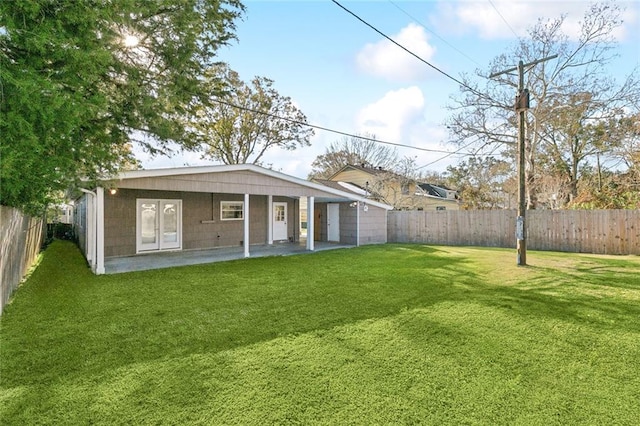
192	208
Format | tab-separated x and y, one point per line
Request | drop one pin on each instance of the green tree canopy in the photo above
249	120
80	79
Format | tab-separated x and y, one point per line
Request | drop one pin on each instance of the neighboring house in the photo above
190	208
438	197
393	189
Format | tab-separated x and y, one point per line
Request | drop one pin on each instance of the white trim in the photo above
232	202
100	231
136	174
357	223
270	220
246	225
159	245
310	223
286	212
90	228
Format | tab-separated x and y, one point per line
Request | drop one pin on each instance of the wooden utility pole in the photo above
521	107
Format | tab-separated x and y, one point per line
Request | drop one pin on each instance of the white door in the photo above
158	224
170	224
279	221
333	222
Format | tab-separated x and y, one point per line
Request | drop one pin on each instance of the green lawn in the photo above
393	334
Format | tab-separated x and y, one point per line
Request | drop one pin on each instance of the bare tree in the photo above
356	151
570	97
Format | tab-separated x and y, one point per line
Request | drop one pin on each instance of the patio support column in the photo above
270	216
246	225
357	223
310	222
90	222
99	230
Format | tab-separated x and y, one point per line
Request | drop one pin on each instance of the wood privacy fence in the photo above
580	231
21	237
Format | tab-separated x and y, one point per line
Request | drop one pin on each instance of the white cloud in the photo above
385	59
467	16
388	117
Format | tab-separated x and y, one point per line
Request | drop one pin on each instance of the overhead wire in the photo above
327	129
449	76
458	151
503	18
434	33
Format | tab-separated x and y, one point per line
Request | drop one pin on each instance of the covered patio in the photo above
150	219
168	259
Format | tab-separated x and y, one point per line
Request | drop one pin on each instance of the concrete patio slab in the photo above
158	260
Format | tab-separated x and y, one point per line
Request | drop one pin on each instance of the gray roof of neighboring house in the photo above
436	191
365	168
343	186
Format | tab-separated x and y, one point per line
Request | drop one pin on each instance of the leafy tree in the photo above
353	150
570	97
80	79
250	120
483	183
605	189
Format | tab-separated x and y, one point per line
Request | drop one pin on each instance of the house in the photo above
193	208
438	197
396	190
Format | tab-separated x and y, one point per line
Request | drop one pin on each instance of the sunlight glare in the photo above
131	41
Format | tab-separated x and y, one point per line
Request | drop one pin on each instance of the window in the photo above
441	208
231	210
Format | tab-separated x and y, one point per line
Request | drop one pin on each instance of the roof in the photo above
338	193
344	186
370	170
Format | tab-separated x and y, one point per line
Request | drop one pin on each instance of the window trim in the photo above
229	203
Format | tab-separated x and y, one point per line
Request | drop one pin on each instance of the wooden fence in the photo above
580	231
21	238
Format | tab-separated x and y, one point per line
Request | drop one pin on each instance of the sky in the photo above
345	76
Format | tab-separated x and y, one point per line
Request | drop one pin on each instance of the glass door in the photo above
147	224
169	225
158	225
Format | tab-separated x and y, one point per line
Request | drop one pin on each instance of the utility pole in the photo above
521	107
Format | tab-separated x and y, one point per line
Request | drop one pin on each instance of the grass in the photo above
394	334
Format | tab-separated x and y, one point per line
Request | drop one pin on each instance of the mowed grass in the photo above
392	334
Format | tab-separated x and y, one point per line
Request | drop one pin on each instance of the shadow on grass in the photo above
67	322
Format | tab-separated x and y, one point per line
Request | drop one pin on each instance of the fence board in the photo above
580	231
20	240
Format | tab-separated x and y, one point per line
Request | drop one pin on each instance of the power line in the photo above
410	52
503	19
458	151
326	129
434	33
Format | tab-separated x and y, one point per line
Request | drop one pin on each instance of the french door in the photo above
158	225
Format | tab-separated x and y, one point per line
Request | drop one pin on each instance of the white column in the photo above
99	230
90	224
270	216
246	225
357	223
310	222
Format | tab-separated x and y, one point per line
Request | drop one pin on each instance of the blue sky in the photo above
345	76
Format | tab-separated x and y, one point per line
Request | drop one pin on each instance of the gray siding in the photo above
373	226
201	224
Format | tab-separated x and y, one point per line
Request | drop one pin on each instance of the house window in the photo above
231	210
441	208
